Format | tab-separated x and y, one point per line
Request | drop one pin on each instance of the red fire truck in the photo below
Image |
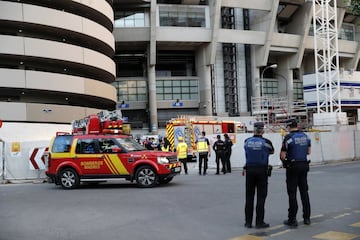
190	129
97	150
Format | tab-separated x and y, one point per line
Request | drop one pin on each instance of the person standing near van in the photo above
181	151
203	148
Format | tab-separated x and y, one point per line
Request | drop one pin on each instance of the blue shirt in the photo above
257	151
296	145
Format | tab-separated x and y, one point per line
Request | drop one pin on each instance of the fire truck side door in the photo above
89	158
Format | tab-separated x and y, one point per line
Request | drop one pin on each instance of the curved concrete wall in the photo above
54	50
46	61
17	78
36	14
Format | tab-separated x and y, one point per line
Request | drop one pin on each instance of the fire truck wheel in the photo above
69	179
165	180
146	177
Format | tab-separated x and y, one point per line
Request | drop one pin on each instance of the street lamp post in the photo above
262	77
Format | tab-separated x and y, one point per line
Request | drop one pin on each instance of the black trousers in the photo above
220	157
203	158
184	162
296	177
256	180
227	156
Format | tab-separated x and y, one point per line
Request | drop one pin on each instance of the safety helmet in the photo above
180	138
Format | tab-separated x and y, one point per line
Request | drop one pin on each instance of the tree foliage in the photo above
353	6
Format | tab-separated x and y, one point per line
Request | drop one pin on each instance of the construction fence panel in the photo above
326	147
2	160
357	144
332	146
23	160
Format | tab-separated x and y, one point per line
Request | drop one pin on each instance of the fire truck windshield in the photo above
130	144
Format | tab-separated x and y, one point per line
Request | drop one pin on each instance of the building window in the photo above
347	32
183	89
298	93
129	19
131	90
271	88
182	16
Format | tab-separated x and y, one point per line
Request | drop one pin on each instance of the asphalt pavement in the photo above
191	207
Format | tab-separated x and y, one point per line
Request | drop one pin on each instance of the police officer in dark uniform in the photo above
219	147
295	148
227	152
257	150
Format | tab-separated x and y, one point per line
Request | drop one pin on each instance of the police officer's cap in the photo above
291	122
180	138
259	125
226	135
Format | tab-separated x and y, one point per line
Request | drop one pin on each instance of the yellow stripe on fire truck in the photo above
114	164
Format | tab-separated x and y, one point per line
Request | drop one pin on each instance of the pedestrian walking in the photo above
219	147
204	151
181	150
257	150
295	148
227	152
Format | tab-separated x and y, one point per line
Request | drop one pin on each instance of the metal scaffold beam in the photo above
326	51
326	56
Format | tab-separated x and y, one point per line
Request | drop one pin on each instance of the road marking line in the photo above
275	227
355	224
341	215
248	237
317	216
280	233
332	235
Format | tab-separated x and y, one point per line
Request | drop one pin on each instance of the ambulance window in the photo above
86	146
62	144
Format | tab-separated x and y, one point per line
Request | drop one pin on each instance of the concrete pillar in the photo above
285	79
256	75
204	73
152	99
151	71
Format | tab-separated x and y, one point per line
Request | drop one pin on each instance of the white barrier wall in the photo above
326	147
18	165
17	143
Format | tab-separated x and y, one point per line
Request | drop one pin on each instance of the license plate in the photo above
177	169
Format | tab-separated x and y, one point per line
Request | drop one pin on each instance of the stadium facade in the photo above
158	59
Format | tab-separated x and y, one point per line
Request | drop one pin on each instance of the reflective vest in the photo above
202	146
165	149
181	150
